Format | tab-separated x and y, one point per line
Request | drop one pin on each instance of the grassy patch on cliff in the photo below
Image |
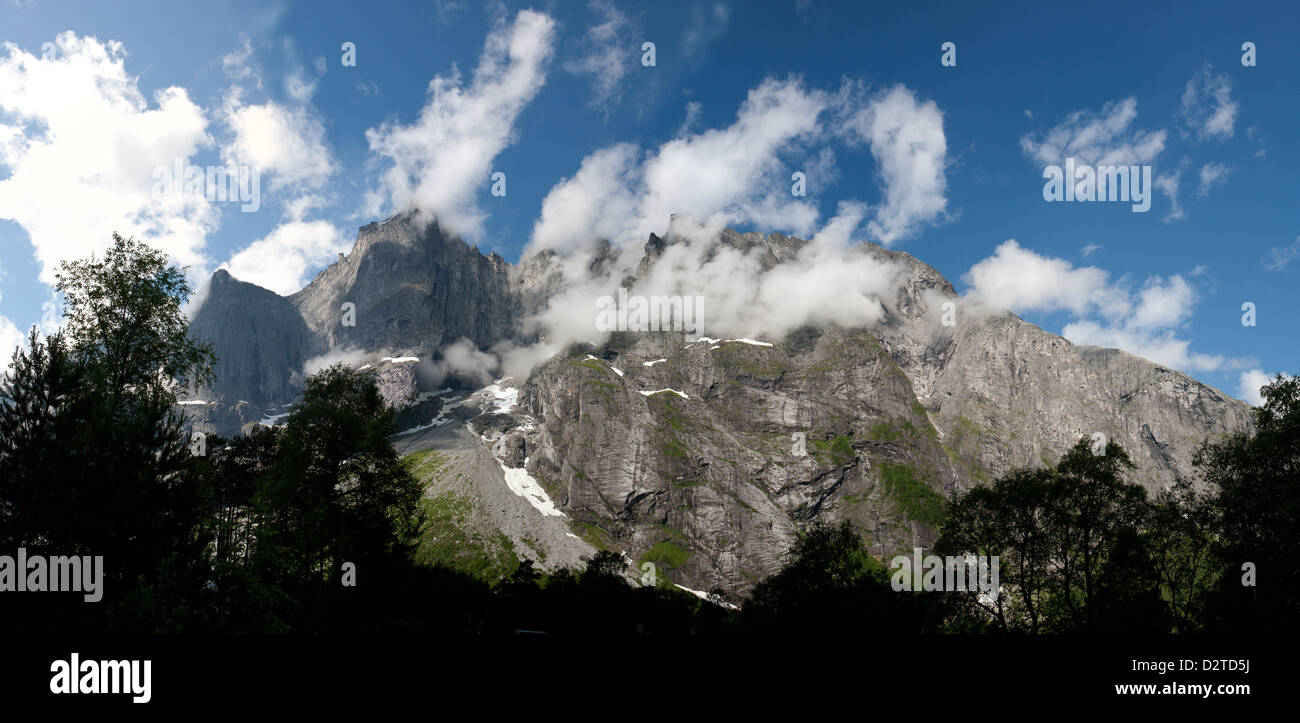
667	554
426	464
915	498
744	360
449	539
837	451
593	535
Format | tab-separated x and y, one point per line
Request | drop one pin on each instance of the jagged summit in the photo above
684	451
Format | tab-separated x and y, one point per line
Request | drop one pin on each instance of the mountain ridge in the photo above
691	462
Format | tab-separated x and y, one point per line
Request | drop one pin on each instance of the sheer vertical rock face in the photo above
413	288
695	462
260	340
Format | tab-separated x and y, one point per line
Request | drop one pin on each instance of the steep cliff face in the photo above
414	288
706	456
259	338
707	463
686	452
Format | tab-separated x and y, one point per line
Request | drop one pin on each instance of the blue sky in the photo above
84	123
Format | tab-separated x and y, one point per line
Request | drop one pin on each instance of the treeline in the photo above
311	527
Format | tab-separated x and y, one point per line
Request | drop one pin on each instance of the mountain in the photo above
703	456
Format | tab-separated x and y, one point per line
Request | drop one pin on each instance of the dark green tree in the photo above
1095	519
94	459
828	578
1074	544
337	492
1254	509
1007	519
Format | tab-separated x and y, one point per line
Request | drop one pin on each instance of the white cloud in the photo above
1019	279
288	143
706	26
298	86
1211	174
1162	303
1089	250
740	174
1207	108
284	259
1162	347
1144	323
719	177
595	203
10	340
465	360
829	281
236	65
1248	388
1282	256
907	140
345	355
609	54
1168	185
442	161
82	143
1101	138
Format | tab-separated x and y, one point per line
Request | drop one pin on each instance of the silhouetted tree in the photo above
93	457
829	578
1254	510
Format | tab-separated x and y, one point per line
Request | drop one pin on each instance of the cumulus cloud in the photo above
720	177
442	160
740	174
1212	174
82	145
1144	322
609	54
1097	138
287	143
1019	279
284	259
1249	384
1161	347
907	140
1208	110
236	62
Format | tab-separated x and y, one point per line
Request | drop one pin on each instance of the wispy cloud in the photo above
1097	138
439	163
1280	257
1208	110
609	54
